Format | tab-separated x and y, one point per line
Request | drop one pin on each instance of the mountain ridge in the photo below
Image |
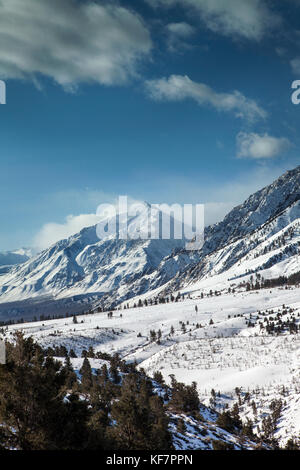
115	270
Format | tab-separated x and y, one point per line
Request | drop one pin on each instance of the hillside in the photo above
221	346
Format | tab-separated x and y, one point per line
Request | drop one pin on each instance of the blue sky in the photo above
166	101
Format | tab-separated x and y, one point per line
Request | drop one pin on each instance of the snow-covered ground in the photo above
215	347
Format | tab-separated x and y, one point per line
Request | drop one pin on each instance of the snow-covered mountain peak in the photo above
88	264
116	268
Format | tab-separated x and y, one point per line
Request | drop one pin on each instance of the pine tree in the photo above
158	377
152	335
181	427
160	437
86	375
292	445
114	374
71	377
139	417
225	421
235	414
247	429
222	445
185	398
34	414
104	372
128	432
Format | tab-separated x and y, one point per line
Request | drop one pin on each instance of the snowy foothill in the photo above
211	343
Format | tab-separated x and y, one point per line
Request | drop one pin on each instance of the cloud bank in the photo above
70	42
53	232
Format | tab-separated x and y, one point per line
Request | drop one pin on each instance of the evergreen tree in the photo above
222	445
226	422
181	427
137	425
71	378
292	445
185	398
158	377
86	375
34	414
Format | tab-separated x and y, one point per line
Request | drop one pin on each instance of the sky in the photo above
167	101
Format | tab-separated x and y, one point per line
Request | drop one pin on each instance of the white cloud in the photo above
177	36
179	87
260	146
250	19
53	232
70	42
182	29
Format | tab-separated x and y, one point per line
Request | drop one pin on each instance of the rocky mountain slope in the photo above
259	236
83	264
